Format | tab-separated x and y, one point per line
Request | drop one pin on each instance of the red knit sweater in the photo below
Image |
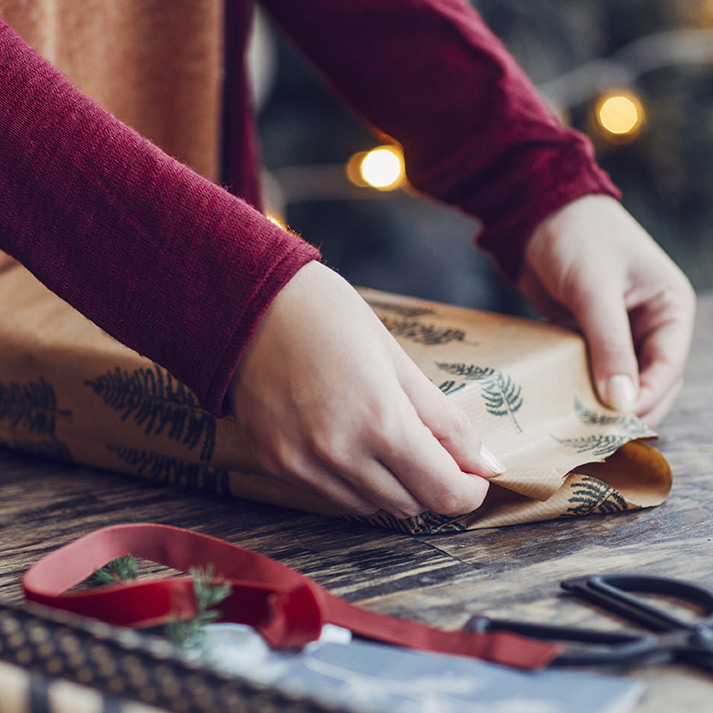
181	270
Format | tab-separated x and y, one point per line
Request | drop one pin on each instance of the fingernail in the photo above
491	462
619	393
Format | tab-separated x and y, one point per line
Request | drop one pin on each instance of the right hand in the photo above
329	401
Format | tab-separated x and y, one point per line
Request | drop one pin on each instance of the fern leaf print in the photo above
152	398
424	524
450	386
31	406
167	469
503	397
469	372
600	446
49	448
591	495
401	309
630	424
428	334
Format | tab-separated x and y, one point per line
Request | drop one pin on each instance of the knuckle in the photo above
413	511
407	509
329	448
460	423
284	459
447	502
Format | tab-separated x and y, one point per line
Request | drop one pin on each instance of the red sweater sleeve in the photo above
165	261
475	132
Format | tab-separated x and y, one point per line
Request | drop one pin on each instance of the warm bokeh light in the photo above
381	168
620	116
277	220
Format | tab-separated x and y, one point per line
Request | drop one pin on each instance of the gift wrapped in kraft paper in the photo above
70	391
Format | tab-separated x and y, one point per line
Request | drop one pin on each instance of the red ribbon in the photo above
286	607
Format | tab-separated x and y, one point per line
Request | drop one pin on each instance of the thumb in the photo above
604	320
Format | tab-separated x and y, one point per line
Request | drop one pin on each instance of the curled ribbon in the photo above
287	608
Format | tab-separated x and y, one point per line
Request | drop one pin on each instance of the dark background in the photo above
662	48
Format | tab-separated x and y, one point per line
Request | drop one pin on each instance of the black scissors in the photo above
674	638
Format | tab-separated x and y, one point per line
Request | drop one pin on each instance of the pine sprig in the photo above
207	591
208	594
121	569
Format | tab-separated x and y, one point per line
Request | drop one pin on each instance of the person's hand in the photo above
330	401
5	260
593	266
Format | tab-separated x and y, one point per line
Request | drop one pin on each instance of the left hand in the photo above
5	260
591	265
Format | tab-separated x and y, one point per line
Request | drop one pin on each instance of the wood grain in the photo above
442	579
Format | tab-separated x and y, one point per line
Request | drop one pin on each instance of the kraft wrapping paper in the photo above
69	391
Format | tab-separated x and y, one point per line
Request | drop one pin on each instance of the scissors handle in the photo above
612	591
598	647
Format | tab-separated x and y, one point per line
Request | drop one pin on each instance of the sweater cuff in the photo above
506	240
216	399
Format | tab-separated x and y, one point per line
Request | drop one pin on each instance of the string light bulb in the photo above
381	168
619	116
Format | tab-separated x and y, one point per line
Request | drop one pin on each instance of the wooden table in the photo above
441	580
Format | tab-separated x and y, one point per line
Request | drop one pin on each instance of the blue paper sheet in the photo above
372	678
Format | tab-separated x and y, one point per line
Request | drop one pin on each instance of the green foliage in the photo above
119	570
208	595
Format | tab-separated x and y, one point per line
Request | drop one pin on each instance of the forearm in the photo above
475	132
165	261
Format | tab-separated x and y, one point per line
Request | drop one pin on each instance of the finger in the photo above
341	468
285	456
392	465
661	375
603	318
313	476
418	460
661	407
663	334
554	311
380	486
434	478
447	422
